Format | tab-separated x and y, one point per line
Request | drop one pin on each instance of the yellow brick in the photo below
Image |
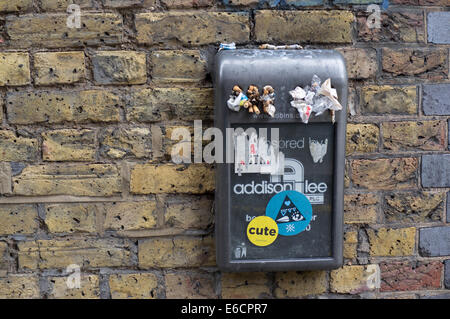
126	142
173	67
300	284
19	286
119	67
51	30
190	286
350	244
87	253
352	279
3	255
318	26
392	242
58	107
89	288
360	208
17	148
70	179
133	286
15	5
245	285
14	68
71	218
177	252
192	28
381	100
195	179
361	138
17	219
137	215
59	67
189	213
68	145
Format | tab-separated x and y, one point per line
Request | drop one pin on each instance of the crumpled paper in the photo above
316	99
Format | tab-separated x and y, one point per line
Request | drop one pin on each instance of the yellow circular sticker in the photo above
262	231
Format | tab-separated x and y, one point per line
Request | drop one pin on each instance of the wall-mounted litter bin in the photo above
279	207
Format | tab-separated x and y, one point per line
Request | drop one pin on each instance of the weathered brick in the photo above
438	24
18	219
184	4
14	69
385	173
412	136
136	215
119	67
177	252
434	241
173	67
356	1
300	284
195	179
68	145
71	218
243	3
59	67
122	3
361	138
447	274
5	178
125	142
189	213
192	28
150	105
3	255
350	244
61	5
405	26
19	286
57	107
435	172
422	2
245	285
361	63
301	3
190	286
319	26
51	30
392	242
381	100
89	288
428	64
406	276
360	208
352	279
69	179
16	5
448	207
87	253
133	286
436	99
414	207
17	148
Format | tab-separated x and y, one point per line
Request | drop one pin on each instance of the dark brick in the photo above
438	25
434	241
448	207
439	296
447	274
435	170
436	99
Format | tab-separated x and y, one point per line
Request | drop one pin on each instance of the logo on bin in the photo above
292	212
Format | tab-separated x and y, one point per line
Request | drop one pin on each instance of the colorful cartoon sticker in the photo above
262	231
291	210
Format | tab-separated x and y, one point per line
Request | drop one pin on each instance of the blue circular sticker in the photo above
291	210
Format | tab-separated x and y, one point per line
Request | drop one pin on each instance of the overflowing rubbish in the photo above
253	101
280	47
316	99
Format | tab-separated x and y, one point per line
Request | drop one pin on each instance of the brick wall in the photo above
86	117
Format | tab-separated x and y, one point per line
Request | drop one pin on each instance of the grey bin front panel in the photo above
321	246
